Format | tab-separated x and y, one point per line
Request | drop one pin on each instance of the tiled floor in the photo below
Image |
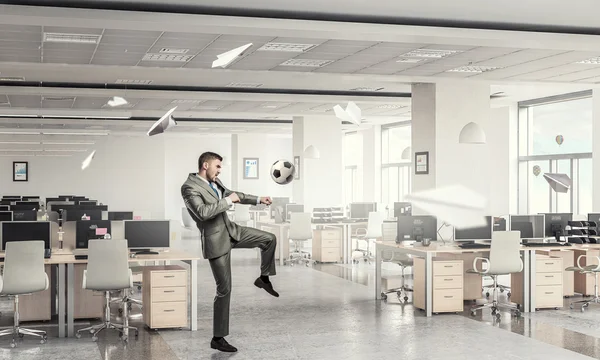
328	312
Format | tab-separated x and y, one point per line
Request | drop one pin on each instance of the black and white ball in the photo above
282	172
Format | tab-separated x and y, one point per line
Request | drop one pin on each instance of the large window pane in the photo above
385	185
585	186
394	185
539	190
352	149
399	139
563	200
570	119
348	185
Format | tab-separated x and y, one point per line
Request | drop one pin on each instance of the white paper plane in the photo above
352	113
226	58
559	182
88	160
162	124
456	205
117	101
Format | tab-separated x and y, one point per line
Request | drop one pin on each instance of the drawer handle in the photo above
549	293
448	297
448	266
551	263
549	276
169	310
169	276
169	291
448	279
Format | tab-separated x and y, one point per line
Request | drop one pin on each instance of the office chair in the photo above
589	269
374	230
300	232
23	257
404	261
505	259
107	276
242	214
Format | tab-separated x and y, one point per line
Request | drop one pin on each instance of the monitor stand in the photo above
145	252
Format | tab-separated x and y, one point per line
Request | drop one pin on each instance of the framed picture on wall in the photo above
250	168
422	163
297	167
20	171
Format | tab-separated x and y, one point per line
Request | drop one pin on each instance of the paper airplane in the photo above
164	123
226	58
117	101
559	182
88	160
456	205
351	114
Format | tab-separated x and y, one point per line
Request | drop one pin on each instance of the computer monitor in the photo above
556	224
30	198
402	209
531	226
293	208
11	197
87	202
120	215
477	233
499	224
416	228
65	197
595	217
4	207
24	215
91	207
147	234
74	214
6	202
6	216
58	205
26	231
278	206
87	230
25	205
362	210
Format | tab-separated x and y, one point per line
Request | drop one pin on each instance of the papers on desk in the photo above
456	205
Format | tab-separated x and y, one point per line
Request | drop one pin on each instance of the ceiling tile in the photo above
17	58
72	30
162	64
25	101
68	46
134	41
30	45
116	48
132	33
21	36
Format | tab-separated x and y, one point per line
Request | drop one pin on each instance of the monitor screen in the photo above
11	197
6	202
29	198
278	204
120	215
87	202
499	224
6	216
362	210
25	205
4	207
531	226
416	228
147	234
90	229
293	208
556	224
24	231
24	215
402	209
76	214
477	233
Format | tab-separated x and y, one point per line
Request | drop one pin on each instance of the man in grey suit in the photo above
207	201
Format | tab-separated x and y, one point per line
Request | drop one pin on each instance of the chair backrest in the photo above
375	225
108	265
24	271
186	218
505	256
300	226
242	213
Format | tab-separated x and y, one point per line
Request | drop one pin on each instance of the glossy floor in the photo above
328	312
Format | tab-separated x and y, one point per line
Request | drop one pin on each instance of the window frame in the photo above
400	166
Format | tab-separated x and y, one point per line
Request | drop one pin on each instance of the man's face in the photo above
213	169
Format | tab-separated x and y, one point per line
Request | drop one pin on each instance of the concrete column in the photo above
235	161
595	150
371	164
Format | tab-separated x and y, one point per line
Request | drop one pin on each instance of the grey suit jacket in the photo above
210	215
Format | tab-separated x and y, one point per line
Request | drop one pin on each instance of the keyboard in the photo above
474	246
81	257
546	244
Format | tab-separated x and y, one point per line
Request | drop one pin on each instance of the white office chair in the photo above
107	276
241	214
373	231
589	269
24	273
404	261
505	259
300	232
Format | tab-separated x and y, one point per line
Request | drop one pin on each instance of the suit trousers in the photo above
221	269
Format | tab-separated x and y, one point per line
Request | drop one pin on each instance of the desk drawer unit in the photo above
327	245
448	293
165	297
548	288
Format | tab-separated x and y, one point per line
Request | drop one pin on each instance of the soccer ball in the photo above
282	172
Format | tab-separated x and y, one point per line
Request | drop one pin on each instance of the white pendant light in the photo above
406	153
312	152
472	133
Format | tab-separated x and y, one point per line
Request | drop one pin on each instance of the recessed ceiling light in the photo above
68	143
306	62
173	51
186	101
72	38
366	89
590	61
20	142
286	47
65	150
58	98
244	85
133	82
429	53
409	60
389	106
472	69
167	57
207	108
12	78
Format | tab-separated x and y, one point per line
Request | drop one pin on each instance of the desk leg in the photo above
526	275
70	300
281	239
531	288
378	251
347	245
61	300
194	295
429	283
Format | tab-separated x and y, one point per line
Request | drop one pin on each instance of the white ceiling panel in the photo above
20	36
152	104
584	72
119	49
25	101
72	30
552	72
19	45
82	102
519	57
132	33
127	40
66	60
162	64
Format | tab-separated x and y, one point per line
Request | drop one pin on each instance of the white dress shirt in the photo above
214	186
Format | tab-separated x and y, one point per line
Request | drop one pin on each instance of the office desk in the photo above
281	234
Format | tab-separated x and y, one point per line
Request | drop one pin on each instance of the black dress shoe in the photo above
222	345
267	286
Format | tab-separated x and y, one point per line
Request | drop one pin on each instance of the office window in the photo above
555	136
352	162
395	170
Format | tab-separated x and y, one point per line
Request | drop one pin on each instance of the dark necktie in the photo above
212	186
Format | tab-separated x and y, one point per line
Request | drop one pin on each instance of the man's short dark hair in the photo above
207	156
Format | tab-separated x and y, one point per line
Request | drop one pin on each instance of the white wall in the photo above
595	151
268	148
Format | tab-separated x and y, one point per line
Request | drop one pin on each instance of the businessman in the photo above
207	201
